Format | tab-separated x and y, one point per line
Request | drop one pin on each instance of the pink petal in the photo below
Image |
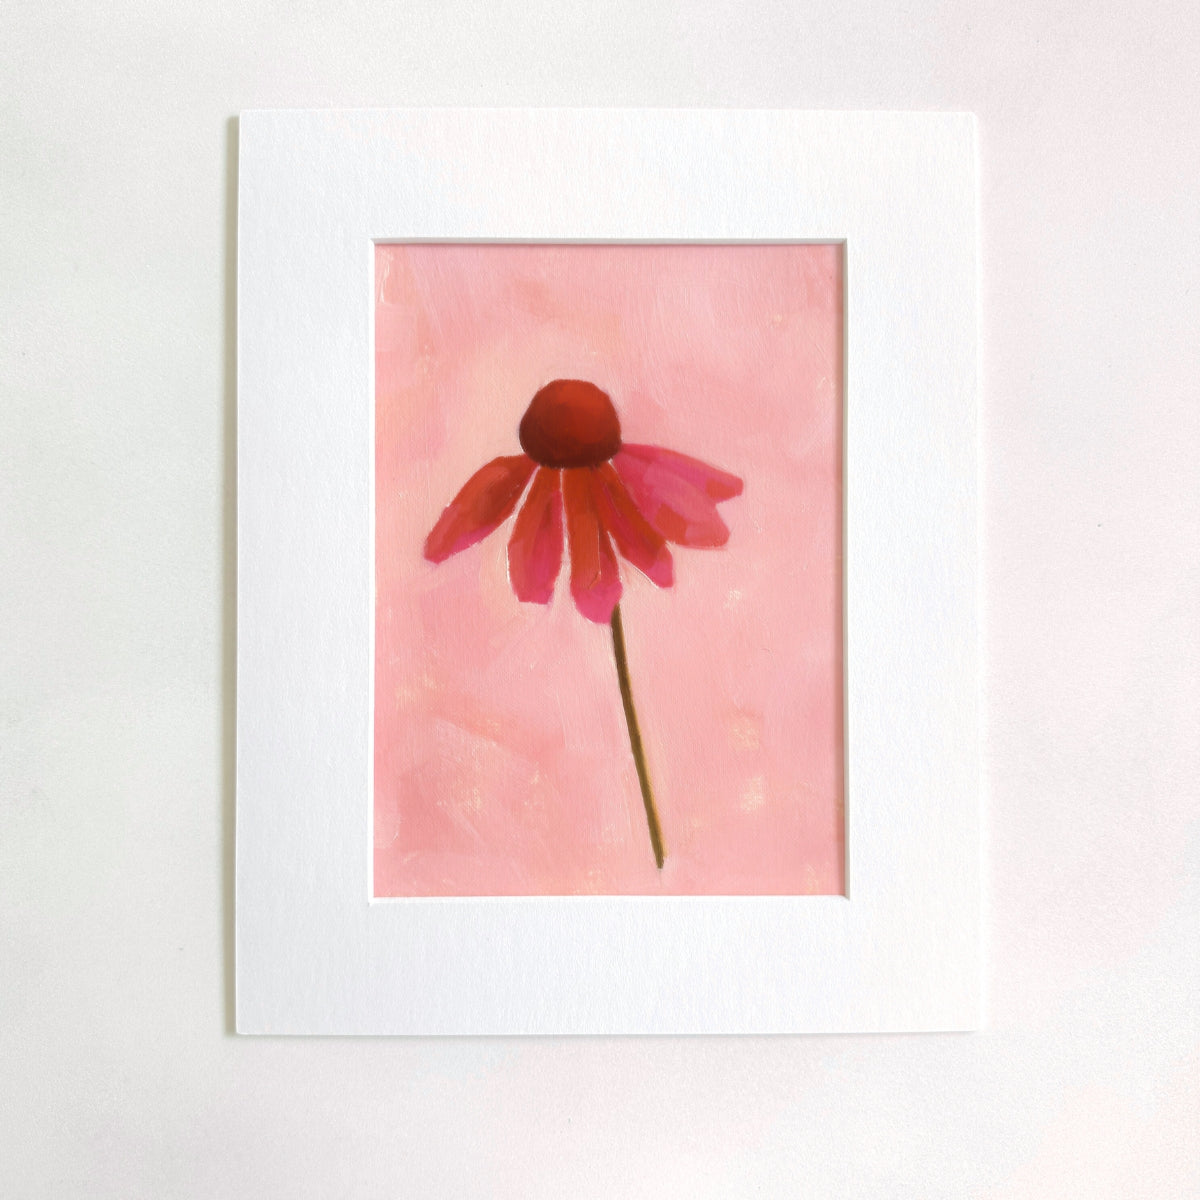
536	547
715	483
485	501
677	508
595	578
636	539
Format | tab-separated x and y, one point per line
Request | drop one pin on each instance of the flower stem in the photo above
635	737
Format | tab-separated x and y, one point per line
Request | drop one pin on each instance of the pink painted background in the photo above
502	763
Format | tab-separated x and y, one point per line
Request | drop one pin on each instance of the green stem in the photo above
635	737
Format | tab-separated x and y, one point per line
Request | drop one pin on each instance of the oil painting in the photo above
608	651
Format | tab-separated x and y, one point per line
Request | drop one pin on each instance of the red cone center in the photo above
570	423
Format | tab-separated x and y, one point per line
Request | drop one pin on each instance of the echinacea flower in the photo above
612	494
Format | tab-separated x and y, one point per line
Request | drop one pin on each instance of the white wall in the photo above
118	1077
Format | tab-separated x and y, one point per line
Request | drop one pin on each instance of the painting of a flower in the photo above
582	395
634	498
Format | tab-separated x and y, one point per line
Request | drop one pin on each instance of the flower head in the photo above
611	494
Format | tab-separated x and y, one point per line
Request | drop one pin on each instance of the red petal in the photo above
486	499
636	539
595	579
713	482
677	508
535	549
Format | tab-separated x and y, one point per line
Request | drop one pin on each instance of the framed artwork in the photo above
607	560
